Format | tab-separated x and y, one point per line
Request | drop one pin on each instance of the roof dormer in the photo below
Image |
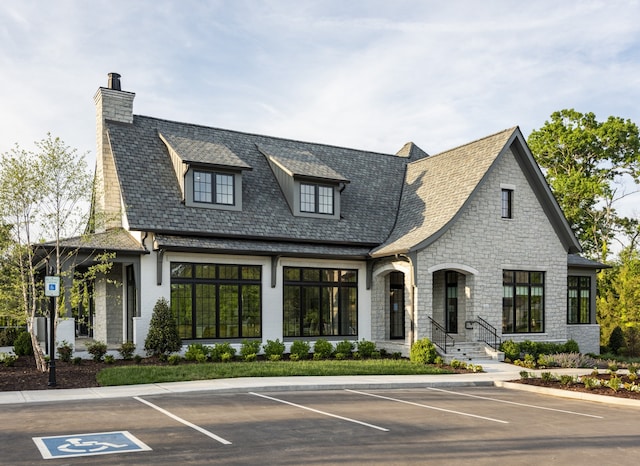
311	188
209	173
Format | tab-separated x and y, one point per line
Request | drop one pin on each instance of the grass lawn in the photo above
141	374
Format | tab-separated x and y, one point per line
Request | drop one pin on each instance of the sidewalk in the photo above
495	373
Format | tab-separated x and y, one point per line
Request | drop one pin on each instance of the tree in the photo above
584	162
41	194
163	338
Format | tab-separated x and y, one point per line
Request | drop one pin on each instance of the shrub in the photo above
614	383
571	346
633	369
590	382
322	349
163	337
340	356
566	380
109	359
196	352
345	347
8	336
127	349
97	350
366	348
511	350
174	359
423	352
22	345
273	349
300	349
547	377
221	349
616	340
524	375
65	351
77	361
250	349
8	359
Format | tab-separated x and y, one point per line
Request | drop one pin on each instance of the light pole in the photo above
52	290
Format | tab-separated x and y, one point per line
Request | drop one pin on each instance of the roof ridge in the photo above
508	130
298	141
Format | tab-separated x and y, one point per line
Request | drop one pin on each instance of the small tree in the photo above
163	338
616	340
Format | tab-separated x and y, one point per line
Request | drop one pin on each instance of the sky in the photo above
364	74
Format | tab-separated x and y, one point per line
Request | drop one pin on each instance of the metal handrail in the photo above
488	334
440	337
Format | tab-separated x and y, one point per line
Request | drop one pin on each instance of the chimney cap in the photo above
114	82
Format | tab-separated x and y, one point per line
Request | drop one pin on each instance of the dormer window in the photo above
213	188
209	173
311	187
316	199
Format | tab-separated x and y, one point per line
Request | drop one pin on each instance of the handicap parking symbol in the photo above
66	446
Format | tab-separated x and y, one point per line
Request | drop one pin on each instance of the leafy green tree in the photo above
163	338
584	161
44	194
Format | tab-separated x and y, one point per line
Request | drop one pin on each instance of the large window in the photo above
579	300
216	301
522	301
213	188
316	199
320	302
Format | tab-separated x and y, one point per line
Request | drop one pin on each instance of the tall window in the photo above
579	300
213	188
316	199
522	301
507	203
320	302
216	301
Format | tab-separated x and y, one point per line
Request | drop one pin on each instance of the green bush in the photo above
97	350
22	345
109	359
126	350
219	350
510	349
322	349
250	349
174	359
273	350
345	347
366	348
8	359
423	352
8	336
163	338
196	352
571	346
300	349
65	351
616	340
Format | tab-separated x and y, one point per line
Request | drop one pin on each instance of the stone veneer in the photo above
481	240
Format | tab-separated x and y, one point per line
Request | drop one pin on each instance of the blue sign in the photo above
105	443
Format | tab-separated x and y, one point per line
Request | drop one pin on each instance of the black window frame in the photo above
579	284
300	322
214	187
507	203
219	275
316	198
513	325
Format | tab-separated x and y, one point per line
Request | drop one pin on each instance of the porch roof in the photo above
116	240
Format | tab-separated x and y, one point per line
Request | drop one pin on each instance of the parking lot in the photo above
481	425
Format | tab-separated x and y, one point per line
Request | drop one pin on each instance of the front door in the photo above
396	305
451	305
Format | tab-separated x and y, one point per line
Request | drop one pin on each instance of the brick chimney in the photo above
112	103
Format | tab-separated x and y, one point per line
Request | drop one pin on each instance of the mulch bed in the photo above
579	387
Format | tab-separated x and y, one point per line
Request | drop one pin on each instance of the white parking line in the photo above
514	403
428	407
186	423
320	412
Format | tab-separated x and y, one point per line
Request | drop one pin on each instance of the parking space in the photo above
403	426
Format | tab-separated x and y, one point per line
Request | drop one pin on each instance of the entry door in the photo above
452	302
396	305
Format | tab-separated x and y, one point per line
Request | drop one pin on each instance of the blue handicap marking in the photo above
66	446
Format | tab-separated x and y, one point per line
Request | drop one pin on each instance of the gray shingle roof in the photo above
117	240
300	163
152	195
205	152
436	189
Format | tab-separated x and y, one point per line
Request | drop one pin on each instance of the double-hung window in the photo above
579	300
522	301
316	199
213	187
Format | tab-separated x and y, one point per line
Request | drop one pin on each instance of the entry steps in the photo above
471	351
